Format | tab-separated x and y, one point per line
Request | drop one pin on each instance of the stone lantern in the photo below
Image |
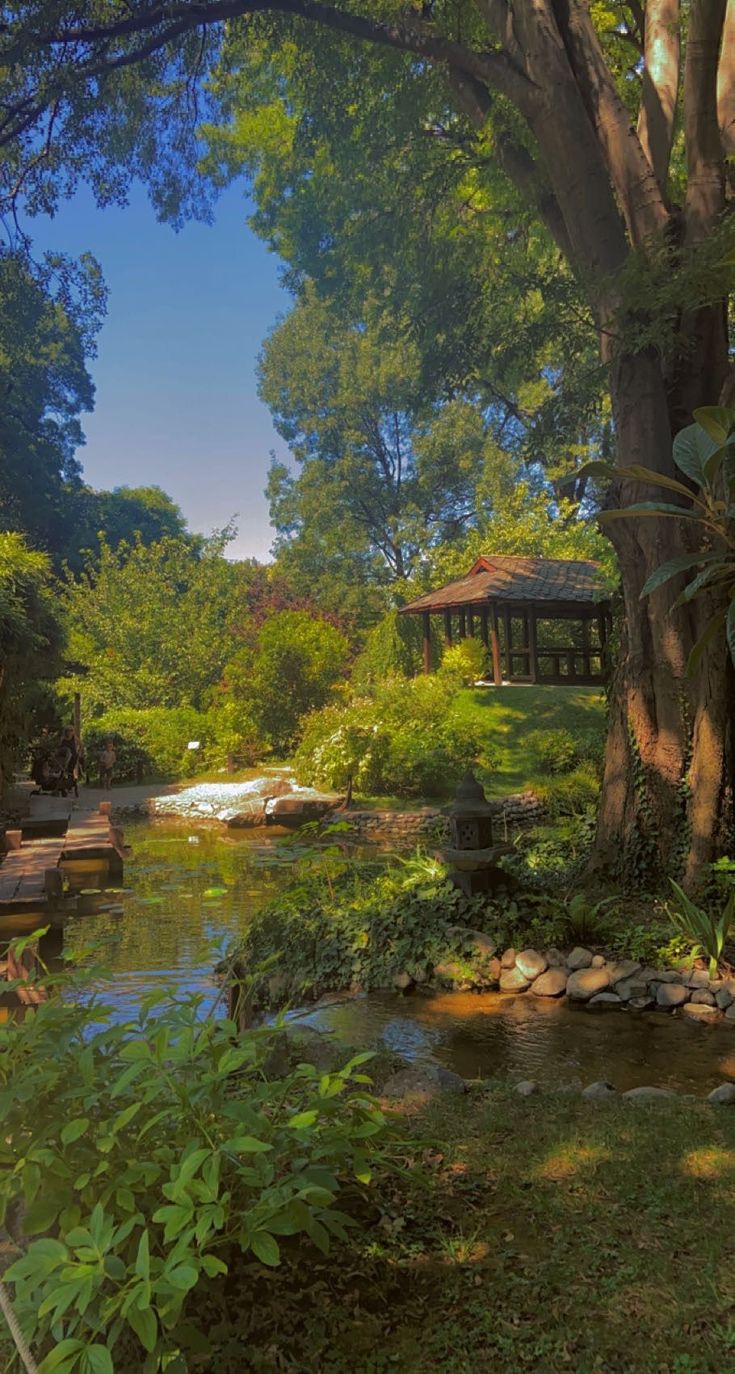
472	856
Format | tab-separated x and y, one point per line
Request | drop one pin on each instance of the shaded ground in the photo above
543	1234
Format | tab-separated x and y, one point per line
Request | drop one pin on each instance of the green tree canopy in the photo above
30	643
150	625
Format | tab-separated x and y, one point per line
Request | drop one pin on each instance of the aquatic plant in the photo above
707	934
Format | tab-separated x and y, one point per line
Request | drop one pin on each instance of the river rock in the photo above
605	999
724	1096
647	1094
667	975
579	958
421	1082
248	814
724	998
629	988
599	1091
641	1003
300	807
695	1011
730	1014
585	983
550	984
530	963
555	958
698	978
671	995
512	980
494	970
527	1088
702	997
623	969
508	959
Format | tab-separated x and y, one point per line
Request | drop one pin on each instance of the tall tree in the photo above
30	644
547	89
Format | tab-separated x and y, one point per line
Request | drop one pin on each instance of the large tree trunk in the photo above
667	791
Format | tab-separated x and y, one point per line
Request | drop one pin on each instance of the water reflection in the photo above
188	895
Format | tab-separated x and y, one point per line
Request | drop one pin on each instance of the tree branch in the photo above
661	55
705	165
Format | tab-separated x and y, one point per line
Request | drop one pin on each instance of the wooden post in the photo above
586	661
105	808
495	640
53	883
426	618
532	646
462	625
448	628
508	643
13	839
470	624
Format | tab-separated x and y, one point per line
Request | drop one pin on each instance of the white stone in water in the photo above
723	1096
579	958
531	963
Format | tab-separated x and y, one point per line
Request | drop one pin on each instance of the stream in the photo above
190	892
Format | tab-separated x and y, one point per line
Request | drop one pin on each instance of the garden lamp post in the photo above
472	856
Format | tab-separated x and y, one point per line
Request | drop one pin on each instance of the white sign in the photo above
193	744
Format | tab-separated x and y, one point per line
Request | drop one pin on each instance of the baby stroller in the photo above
53	773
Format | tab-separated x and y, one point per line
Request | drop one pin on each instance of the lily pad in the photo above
214	892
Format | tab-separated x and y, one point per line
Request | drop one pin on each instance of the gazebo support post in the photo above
426	621
508	643
448	628
470	624
495	642
532	645
462	624
586	660
484	633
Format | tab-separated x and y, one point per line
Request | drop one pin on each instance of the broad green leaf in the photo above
655	479
142	1259
74	1129
145	1325
213	1266
97	1360
265	1246
673	568
302	1119
182	1276
649	508
716	572
248	1145
40	1216
715	627
717	422
692	448
63	1357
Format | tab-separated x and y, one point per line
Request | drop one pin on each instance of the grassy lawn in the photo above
544	1234
505	716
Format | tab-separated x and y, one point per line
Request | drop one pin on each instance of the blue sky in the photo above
176	397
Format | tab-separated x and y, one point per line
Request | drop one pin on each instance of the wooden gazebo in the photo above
545	620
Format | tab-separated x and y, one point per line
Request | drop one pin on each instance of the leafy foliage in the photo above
157	1152
401	741
707	934
464	663
294	667
30	642
149	742
560	751
393	648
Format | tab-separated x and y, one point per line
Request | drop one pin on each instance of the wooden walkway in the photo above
31	875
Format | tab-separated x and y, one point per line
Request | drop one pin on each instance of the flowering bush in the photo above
402	741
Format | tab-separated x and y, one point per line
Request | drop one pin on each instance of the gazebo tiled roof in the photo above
505	578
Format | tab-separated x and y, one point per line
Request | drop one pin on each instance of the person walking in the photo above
108	759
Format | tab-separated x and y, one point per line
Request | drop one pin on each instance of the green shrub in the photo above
402	741
464	663
149	743
560	751
155	1154
233	735
393	648
572	794
362	924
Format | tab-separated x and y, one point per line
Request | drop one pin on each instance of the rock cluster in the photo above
274	799
583	976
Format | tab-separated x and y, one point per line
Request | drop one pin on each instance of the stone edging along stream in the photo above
585	977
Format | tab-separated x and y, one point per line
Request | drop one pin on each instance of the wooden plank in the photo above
23	871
